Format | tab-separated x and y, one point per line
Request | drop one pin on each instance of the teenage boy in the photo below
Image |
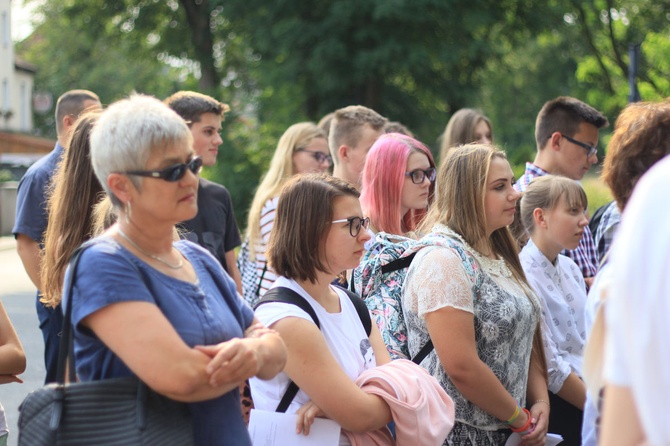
566	133
353	131
214	228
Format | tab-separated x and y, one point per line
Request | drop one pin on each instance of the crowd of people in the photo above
507	285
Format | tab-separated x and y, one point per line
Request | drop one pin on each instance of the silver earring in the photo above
128	210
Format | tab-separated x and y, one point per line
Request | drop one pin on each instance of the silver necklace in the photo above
177	266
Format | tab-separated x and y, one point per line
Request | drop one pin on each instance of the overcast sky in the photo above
21	19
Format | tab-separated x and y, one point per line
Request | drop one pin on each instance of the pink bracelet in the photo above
525	426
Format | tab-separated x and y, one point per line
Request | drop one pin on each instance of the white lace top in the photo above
504	316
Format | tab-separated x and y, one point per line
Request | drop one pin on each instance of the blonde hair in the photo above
545	192
459	204
296	137
459	201
346	126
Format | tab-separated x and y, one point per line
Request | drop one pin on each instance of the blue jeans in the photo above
51	324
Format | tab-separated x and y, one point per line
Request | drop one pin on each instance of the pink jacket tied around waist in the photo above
422	411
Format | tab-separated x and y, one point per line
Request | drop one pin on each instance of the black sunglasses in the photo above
355	224
419	175
173	173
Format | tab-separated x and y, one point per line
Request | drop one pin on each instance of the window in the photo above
5	29
24	107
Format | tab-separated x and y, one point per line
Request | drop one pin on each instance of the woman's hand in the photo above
257	330
539	425
306	415
232	361
6	379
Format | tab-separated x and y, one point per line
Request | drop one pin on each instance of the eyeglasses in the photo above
320	157
590	150
173	173
355	224
419	175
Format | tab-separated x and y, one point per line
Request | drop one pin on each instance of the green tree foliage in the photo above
415	61
73	47
583	53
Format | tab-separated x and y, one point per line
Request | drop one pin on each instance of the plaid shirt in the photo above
585	256
609	223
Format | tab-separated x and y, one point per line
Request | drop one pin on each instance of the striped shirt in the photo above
265	273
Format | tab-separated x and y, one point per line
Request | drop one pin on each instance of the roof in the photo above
24	65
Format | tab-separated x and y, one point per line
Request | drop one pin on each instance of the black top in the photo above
214	228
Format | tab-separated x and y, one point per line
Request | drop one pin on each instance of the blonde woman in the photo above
471	298
302	148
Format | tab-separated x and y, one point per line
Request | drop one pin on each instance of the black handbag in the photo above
119	411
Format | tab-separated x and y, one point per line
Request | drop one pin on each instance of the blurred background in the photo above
284	61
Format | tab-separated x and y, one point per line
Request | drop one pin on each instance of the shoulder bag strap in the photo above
361	309
287	295
66	348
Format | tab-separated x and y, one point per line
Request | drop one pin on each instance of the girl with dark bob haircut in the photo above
319	231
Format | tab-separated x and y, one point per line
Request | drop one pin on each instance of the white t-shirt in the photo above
562	291
597	293
344	335
638	306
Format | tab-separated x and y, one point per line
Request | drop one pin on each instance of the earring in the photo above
127	213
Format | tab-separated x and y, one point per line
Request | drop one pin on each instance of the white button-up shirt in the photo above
562	291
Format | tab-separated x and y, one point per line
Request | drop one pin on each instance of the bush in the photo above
596	191
6	175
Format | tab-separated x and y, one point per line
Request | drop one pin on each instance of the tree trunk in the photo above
198	17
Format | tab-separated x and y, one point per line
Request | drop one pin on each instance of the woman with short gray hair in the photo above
162	310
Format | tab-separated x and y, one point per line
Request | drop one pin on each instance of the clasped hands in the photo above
236	360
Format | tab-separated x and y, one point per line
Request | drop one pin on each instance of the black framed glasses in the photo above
590	150
172	173
320	157
355	224
419	175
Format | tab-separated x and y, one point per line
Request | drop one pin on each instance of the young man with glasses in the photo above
214	228
566	133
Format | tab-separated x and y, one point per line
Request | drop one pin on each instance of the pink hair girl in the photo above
383	179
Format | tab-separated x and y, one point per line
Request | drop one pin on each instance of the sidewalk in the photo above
7	242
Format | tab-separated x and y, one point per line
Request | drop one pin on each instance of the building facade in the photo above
16	80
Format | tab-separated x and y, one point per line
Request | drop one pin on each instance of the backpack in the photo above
287	295
379	280
594	222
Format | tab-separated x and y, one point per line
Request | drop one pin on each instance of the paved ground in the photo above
17	293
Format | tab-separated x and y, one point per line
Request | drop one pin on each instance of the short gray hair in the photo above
128	132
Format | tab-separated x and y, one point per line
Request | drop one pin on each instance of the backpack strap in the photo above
288	296
398	264
425	350
361	309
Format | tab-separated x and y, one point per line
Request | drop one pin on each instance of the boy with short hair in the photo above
566	133
214	228
353	130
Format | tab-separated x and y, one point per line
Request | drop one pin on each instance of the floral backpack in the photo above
379	279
